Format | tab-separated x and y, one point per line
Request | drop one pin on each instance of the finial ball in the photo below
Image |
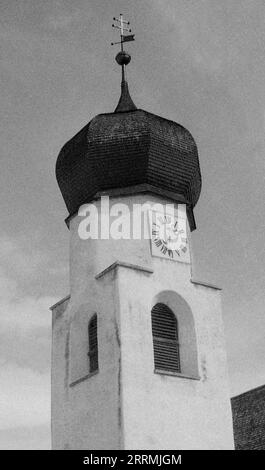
123	58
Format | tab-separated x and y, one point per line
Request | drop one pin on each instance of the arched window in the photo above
165	339
93	344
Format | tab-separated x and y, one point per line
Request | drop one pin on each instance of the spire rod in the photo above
123	58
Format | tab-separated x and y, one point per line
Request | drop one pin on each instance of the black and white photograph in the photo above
132	234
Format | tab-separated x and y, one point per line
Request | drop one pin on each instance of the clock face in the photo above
169	237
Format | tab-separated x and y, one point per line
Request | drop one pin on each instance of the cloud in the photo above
8	287
64	20
245	350
25	314
203	35
25	333
25	319
25	339
24	397
33	268
25	351
19	256
29	438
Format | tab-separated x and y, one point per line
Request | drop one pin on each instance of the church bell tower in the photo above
138	351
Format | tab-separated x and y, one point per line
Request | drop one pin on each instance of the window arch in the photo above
165	339
186	347
93	344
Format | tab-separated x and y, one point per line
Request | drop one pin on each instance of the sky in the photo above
198	62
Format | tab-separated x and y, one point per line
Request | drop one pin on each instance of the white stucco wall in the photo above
86	409
163	411
127	405
60	357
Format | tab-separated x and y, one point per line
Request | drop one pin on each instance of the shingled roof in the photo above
129	150
249	419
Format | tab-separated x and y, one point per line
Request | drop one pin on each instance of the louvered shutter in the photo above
165	339
93	344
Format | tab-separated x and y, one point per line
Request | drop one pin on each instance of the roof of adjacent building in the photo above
130	148
249	419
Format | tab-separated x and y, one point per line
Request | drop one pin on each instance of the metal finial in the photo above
122	25
123	58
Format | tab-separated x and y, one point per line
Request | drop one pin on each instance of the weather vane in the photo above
123	59
122	25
